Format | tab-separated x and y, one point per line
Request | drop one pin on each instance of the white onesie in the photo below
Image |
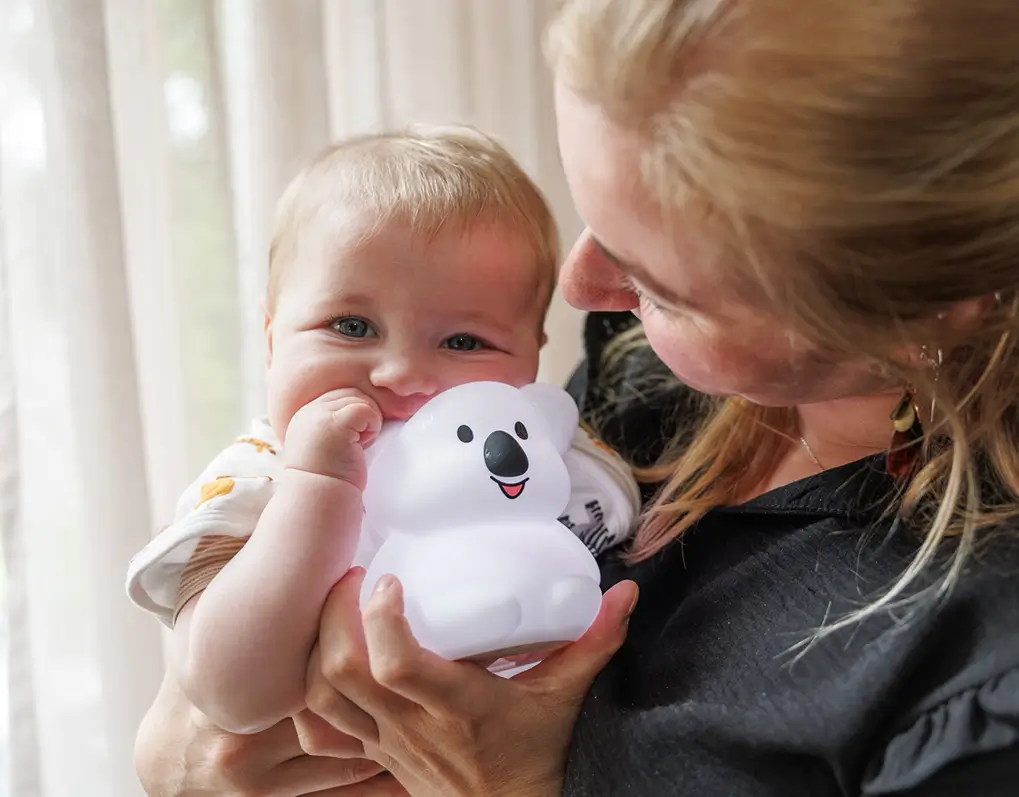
231	493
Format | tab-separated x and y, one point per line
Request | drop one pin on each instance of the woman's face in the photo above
628	258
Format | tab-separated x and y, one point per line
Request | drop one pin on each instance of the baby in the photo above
402	264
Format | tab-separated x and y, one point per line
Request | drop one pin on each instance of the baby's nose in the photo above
504	456
403	376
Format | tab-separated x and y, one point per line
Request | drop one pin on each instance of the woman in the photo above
814	210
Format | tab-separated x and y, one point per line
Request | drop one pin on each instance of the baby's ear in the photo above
267	329
557	409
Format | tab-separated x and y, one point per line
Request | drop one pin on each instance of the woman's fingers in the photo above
400	664
308	775
435	723
345	718
243	761
384	785
571	669
342	650
343	665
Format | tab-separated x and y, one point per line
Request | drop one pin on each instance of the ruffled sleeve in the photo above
214	516
971	727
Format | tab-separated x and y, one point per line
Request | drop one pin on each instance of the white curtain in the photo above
142	146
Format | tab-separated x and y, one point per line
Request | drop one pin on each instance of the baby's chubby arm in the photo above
241	648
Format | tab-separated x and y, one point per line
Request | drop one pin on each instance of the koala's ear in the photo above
558	410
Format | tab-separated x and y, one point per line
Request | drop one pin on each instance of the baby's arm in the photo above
241	648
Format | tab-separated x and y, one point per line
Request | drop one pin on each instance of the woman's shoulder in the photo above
721	647
958	715
913	700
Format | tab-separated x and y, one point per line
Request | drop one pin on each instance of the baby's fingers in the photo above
354	413
362	419
327	436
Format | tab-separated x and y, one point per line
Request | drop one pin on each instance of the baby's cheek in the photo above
289	387
518	372
510	370
279	403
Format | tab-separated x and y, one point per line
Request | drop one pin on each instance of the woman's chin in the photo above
729	392
705	387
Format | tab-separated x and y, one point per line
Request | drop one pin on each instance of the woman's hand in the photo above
449	728
179	753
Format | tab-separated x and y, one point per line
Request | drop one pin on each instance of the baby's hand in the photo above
329	435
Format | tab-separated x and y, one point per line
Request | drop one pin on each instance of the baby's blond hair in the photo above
425	176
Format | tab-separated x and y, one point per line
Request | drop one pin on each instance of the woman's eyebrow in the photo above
638	273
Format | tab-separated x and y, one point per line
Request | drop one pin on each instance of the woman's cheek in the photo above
678	344
696	353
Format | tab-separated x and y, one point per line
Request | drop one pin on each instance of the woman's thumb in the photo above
576	665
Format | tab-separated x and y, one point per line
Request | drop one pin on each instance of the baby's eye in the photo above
354	327
462	343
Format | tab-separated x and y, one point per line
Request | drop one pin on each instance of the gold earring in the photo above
900	461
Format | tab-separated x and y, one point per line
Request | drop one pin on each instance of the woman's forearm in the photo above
242	648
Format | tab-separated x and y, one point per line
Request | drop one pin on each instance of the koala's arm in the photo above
241	648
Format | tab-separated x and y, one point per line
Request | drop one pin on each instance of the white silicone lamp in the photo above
466	496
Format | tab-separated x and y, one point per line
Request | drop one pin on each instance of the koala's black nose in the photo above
504	456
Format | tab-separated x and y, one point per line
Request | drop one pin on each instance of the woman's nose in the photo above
590	281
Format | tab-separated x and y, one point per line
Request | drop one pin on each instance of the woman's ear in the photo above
267	328
966	315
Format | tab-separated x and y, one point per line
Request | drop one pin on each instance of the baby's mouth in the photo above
511	491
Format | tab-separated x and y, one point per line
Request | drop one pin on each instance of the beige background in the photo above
142	146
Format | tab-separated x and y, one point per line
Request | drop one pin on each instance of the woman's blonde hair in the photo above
861	160
426	176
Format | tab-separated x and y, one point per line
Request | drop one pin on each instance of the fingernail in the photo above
384	585
633	605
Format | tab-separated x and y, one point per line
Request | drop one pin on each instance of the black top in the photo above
713	693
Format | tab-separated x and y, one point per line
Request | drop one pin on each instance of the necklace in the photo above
810	452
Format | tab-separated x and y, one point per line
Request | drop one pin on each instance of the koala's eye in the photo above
521	430
465	434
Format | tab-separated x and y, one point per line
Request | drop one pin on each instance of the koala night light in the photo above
466	496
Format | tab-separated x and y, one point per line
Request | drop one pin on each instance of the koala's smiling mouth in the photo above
511	491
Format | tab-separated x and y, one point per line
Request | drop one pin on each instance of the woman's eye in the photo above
462	343
353	327
629	285
643	298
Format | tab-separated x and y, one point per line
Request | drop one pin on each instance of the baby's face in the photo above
400	317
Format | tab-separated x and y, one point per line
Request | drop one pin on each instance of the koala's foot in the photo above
571	606
474	618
